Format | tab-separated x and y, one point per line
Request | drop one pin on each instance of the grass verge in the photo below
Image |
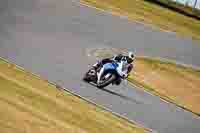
174	83
150	13
178	7
30	104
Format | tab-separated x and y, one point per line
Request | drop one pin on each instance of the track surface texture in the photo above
51	38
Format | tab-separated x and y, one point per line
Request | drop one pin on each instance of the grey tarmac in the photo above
51	38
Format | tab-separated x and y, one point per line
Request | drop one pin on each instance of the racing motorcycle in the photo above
110	75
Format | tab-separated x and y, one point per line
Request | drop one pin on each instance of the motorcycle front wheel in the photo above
90	76
107	81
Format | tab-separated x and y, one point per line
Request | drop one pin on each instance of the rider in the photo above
124	61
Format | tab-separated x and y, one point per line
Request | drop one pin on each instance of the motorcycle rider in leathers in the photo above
124	68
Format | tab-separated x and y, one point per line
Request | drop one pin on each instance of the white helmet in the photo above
131	55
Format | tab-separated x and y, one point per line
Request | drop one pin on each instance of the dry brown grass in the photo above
176	83
155	15
29	104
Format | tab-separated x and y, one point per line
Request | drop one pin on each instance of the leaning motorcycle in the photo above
110	75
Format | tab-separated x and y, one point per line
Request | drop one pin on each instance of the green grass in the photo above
150	13
30	104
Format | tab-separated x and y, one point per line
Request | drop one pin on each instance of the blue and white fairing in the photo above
119	68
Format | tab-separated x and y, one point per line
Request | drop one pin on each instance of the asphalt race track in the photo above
51	38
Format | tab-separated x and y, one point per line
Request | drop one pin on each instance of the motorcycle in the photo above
110	75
